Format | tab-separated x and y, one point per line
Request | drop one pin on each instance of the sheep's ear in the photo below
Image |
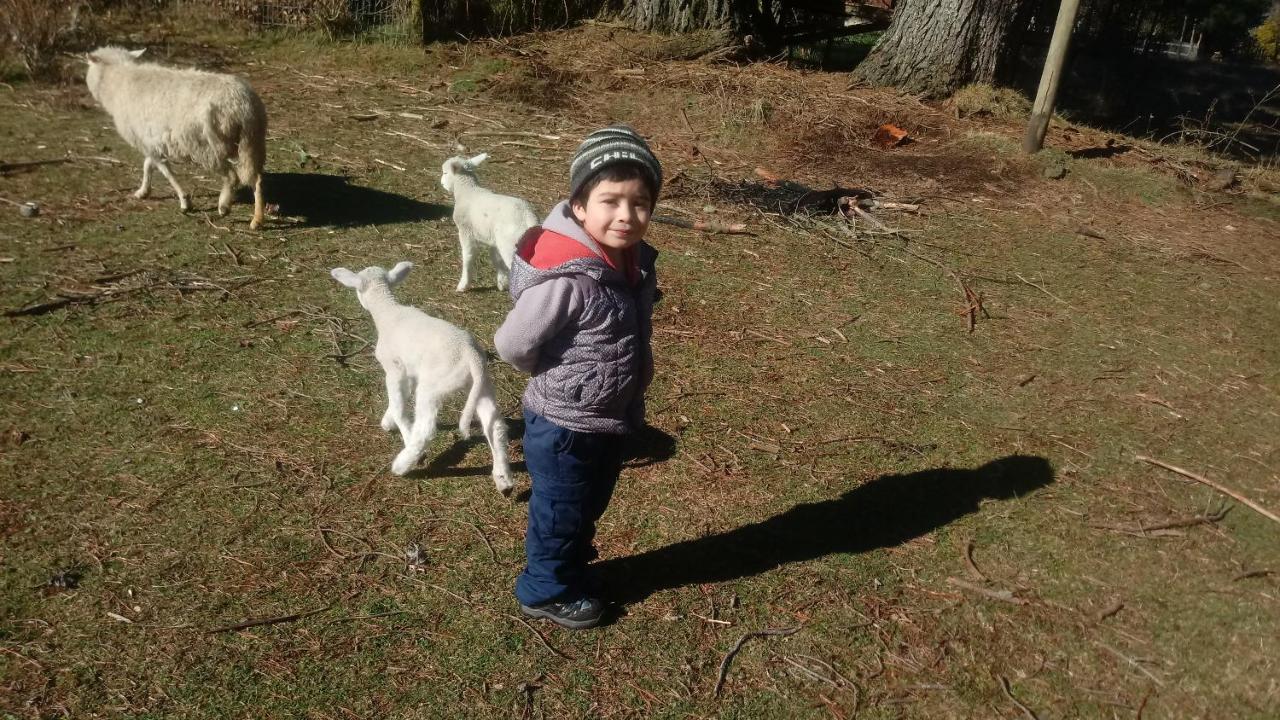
399	272
137	53
473	162
346	277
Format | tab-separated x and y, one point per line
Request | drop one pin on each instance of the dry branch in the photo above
705	225
1004	685
1216	486
1001	595
269	621
969	563
728	658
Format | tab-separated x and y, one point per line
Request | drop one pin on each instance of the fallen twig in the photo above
1216	486
728	658
1004	685
706	225
1041	289
1001	595
1252	574
1131	661
1160	528
1114	607
968	561
269	621
541	639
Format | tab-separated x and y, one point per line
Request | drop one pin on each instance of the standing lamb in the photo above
430	359
211	119
484	217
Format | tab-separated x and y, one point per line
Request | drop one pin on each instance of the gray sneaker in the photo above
576	615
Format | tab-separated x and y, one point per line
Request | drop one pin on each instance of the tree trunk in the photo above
680	16
934	47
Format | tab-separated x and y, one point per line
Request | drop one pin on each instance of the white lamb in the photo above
211	119
431	359
484	217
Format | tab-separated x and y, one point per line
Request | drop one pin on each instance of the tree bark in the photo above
934	47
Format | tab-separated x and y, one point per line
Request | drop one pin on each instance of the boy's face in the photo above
617	213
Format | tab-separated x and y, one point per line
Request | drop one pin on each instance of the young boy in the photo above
584	287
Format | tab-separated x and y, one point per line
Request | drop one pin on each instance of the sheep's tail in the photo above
252	157
480	386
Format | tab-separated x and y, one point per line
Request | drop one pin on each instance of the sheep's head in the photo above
108	55
459	165
371	277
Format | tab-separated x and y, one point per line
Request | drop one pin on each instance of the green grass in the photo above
826	405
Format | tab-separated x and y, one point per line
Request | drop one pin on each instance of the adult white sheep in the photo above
484	218
430	359
211	119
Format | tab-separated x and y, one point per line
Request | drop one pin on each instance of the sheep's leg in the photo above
145	189
495	431
183	201
424	429
229	181
395	418
501	266
468	257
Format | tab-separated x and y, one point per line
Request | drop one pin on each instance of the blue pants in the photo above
573	474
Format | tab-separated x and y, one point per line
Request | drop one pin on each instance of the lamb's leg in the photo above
395	416
501	266
183	201
145	189
425	410
229	181
259	205
495	431
468	257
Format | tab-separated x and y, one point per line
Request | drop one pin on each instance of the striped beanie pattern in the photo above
612	145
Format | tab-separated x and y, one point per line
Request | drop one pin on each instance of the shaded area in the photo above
319	199
646	447
445	464
1163	98
884	512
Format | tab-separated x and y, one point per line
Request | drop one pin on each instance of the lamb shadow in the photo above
884	512
330	200
445	464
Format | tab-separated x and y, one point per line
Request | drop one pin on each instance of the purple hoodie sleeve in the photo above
539	314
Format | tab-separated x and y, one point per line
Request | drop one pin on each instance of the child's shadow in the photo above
883	513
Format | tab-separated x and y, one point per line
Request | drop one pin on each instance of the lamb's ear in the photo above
346	277
399	272
473	162
137	53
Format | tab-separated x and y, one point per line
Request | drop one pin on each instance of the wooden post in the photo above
1042	111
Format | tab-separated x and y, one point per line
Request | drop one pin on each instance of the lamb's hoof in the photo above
223	210
387	424
403	463
141	194
462	287
255	224
184	204
504	485
464	434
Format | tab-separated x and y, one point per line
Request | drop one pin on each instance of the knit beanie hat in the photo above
612	145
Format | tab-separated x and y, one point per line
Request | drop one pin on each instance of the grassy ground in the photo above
191	442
